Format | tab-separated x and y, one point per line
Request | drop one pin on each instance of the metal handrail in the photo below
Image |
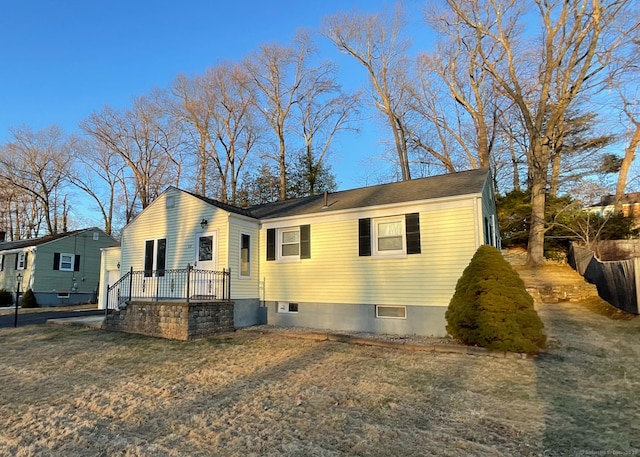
178	284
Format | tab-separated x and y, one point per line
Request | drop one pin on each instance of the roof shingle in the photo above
447	185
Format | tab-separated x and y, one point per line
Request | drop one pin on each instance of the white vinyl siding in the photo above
335	273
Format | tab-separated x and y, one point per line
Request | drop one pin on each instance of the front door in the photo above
206	259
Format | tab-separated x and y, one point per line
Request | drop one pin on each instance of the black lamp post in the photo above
15	318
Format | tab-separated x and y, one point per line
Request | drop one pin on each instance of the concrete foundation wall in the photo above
247	312
178	321
52	299
420	320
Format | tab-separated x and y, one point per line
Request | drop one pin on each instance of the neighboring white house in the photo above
383	258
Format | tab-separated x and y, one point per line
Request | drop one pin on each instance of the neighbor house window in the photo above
245	255
288	308
391	312
290	243
21	260
66	262
155	257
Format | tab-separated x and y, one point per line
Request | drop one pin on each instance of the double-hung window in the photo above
21	260
155	257
289	243
66	262
389	236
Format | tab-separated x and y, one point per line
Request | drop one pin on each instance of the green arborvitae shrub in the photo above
29	300
491	307
6	298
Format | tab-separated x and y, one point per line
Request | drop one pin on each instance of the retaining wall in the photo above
173	320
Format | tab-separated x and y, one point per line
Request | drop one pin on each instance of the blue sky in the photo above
62	59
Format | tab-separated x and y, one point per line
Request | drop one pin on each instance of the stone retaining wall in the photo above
173	320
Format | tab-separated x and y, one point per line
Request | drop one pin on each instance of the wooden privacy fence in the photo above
617	281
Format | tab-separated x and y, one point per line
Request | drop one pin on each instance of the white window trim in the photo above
279	244
285	307
397	253
240	275
391	317
72	261
21	260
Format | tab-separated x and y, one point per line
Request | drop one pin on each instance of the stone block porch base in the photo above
173	320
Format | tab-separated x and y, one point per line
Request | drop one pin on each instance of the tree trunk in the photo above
283	170
554	183
535	247
629	155
538	173
514	163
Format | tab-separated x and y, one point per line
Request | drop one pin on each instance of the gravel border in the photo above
404	342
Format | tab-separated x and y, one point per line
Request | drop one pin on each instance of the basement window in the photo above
391	312
288	308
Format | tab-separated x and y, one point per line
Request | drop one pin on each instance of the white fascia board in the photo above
392	209
243	220
18	250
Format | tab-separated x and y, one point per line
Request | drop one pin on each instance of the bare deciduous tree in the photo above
457	97
34	163
376	42
625	79
99	174
322	113
219	109
573	49
145	139
280	75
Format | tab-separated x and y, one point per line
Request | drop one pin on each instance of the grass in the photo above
82	392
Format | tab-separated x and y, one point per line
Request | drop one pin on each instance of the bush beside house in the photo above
491	307
6	298
29	300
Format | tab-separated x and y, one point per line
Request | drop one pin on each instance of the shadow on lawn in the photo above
372	402
589	383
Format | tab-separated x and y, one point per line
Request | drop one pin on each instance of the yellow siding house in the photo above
383	258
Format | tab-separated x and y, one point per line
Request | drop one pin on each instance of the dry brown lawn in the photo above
68	391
